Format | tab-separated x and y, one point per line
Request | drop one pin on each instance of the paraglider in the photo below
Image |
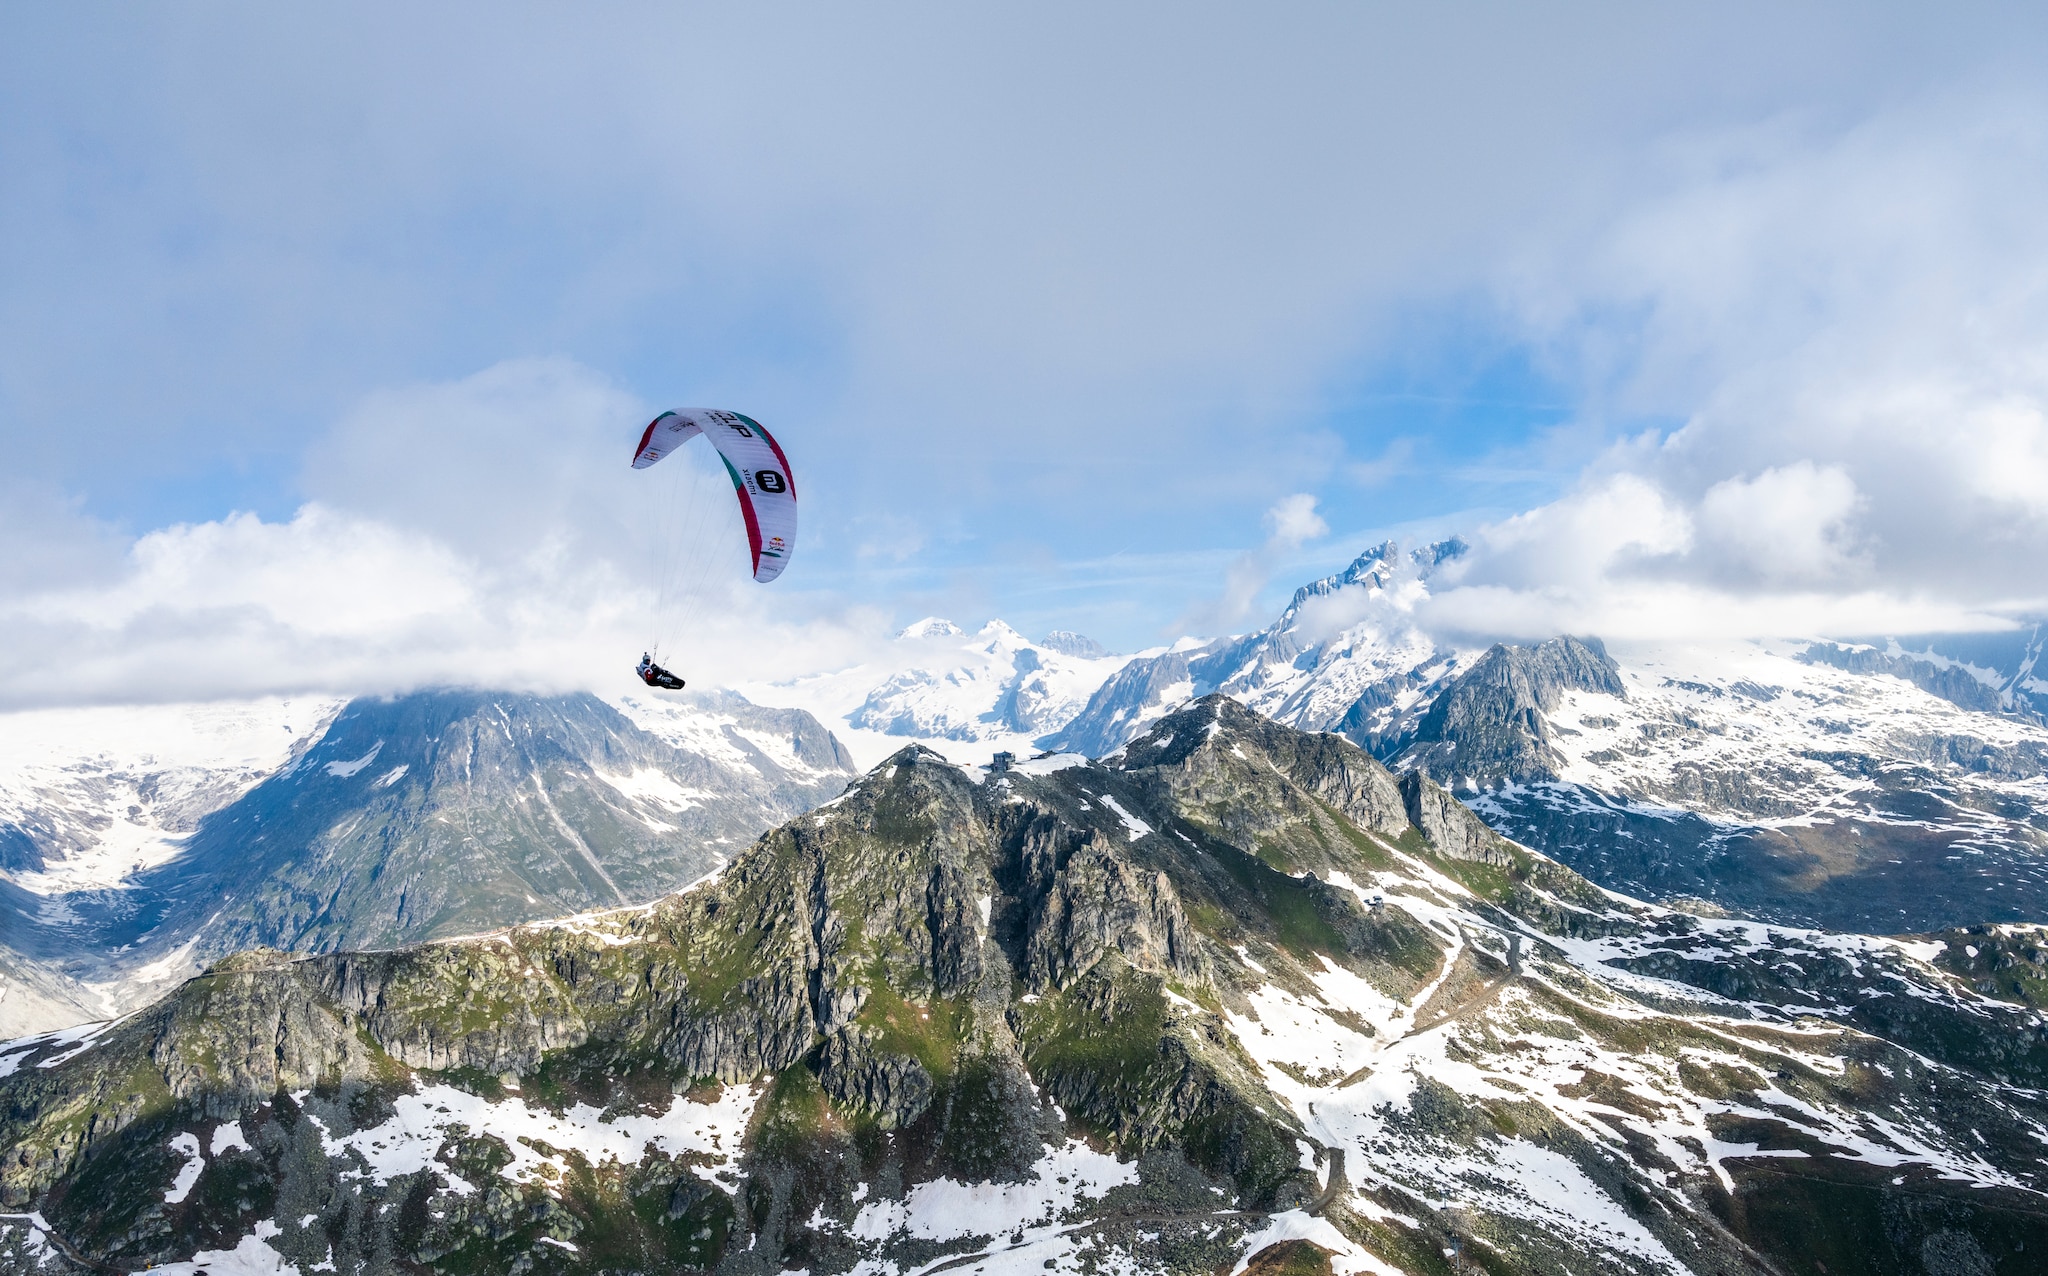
766	493
655	676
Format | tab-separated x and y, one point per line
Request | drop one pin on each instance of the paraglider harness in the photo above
655	676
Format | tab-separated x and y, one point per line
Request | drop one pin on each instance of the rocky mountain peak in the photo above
1378	567
1489	724
437	813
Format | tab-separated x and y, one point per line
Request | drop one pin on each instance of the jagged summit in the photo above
1491	725
1378	568
1232	986
1346	644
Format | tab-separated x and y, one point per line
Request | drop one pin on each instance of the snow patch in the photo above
186	1145
1050	763
254	1256
944	1210
1134	827
421	1122
1347	1257
348	770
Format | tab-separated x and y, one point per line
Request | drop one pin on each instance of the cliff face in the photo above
1232	987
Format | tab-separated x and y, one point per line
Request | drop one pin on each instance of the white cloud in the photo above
487	531
1004	279
1788	523
1293	521
1851	321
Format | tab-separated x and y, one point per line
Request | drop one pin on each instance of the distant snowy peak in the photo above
1068	643
1991	673
90	795
1344	656
931	627
1378	568
995	686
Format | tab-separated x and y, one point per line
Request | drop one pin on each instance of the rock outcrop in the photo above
1489	723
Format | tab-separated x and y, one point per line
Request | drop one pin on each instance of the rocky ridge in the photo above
1233	992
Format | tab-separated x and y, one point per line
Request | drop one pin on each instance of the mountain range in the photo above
1882	785
1234	997
163	839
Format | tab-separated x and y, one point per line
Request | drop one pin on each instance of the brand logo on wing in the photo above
769	481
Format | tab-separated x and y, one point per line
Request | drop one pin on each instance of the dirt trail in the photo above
1437	1012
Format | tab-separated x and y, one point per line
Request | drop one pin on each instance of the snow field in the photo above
1023	1220
117	787
422	1121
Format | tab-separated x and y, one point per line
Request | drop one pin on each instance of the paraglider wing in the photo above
760	476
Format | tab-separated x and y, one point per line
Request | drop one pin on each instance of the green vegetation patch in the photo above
1101	1037
113	1204
929	1032
899	819
1489	882
795	1115
1293	906
1241	1142
2009	964
1369	854
980	1134
613	1075
1290	1258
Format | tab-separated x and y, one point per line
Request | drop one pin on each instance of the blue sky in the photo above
1051	307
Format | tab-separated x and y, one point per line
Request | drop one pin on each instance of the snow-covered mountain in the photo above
1887	784
1346	655
142	843
1764	777
89	796
939	685
1884	784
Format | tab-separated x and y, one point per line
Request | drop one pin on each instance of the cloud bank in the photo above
1064	311
1854	325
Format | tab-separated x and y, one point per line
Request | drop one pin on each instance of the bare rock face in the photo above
1081	900
1448	825
1488	725
894	1088
1255	778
